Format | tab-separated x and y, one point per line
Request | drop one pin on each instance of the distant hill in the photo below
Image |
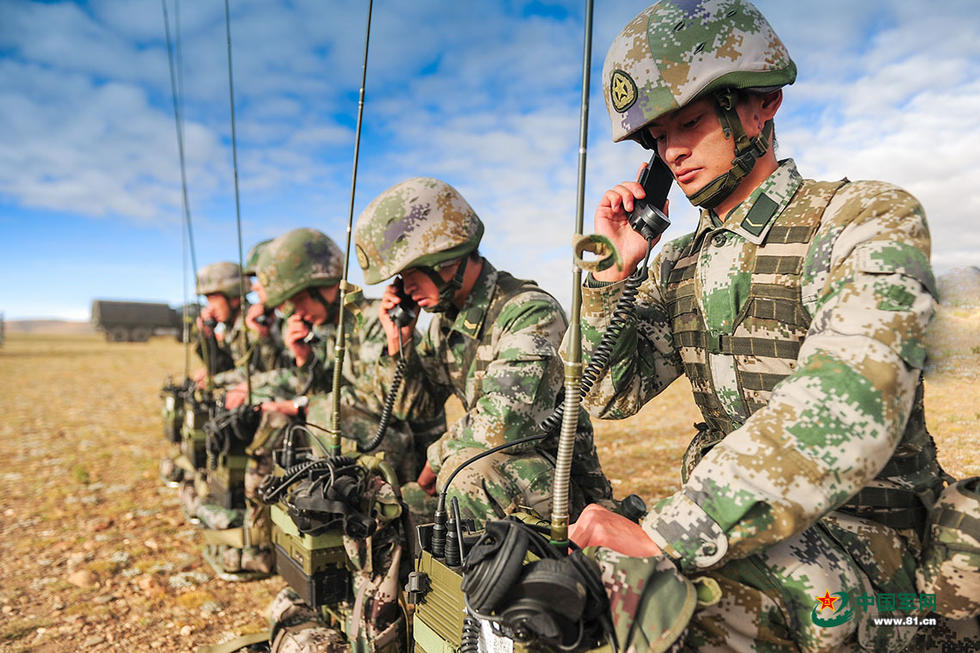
960	288
56	327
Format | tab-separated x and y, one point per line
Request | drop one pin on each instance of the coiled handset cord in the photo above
602	355
396	384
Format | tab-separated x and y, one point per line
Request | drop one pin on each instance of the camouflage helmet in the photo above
676	51
224	278
421	222
252	260
298	260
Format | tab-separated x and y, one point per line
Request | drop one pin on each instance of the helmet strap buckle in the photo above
447	289
747	152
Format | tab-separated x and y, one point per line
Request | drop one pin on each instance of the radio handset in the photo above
404	312
648	218
311	338
265	319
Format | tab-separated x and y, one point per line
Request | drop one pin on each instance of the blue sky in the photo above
483	94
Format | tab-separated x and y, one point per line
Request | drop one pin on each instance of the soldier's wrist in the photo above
685	533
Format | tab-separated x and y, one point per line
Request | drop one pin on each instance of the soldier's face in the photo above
221	307
420	287
692	143
309	309
259	290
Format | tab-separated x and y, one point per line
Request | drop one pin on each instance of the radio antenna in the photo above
340	348
573	364
187	240
238	214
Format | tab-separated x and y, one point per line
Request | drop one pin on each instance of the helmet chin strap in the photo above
747	152
447	289
331	308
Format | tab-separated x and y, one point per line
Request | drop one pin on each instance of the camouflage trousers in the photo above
238	540
170	471
493	487
770	601
371	617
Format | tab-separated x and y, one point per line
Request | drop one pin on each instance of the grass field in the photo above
96	555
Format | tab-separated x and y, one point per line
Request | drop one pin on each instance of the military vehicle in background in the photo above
136	321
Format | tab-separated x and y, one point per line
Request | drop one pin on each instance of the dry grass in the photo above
81	441
79	491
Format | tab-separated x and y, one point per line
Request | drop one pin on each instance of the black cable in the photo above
379	435
439	518
470	639
273	487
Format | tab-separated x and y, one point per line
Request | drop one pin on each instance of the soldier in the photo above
266	349
493	342
797	309
299	273
221	284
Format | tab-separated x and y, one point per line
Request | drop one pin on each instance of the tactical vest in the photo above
774	305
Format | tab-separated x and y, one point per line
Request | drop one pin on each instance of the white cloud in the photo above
484	98
94	149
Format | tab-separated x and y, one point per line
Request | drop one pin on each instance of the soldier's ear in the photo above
770	104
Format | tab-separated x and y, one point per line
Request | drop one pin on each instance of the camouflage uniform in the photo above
498	354
799	319
264	353
305	259
362	397
371	619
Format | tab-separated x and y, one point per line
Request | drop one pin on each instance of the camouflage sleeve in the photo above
267	355
215	355
521	377
831	426
264	356
644	359
293	381
366	345
229	378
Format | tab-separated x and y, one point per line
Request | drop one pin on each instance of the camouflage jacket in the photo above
362	396
315	376
366	342
499	356
264	355
810	408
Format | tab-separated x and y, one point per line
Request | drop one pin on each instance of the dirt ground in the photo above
95	553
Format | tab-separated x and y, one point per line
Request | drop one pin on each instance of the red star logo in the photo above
827	601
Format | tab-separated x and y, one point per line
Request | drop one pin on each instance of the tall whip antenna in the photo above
238	214
333	444
573	364
188	236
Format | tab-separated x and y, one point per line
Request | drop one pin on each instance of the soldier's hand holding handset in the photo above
256	311
396	305
295	335
612	219
206	321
